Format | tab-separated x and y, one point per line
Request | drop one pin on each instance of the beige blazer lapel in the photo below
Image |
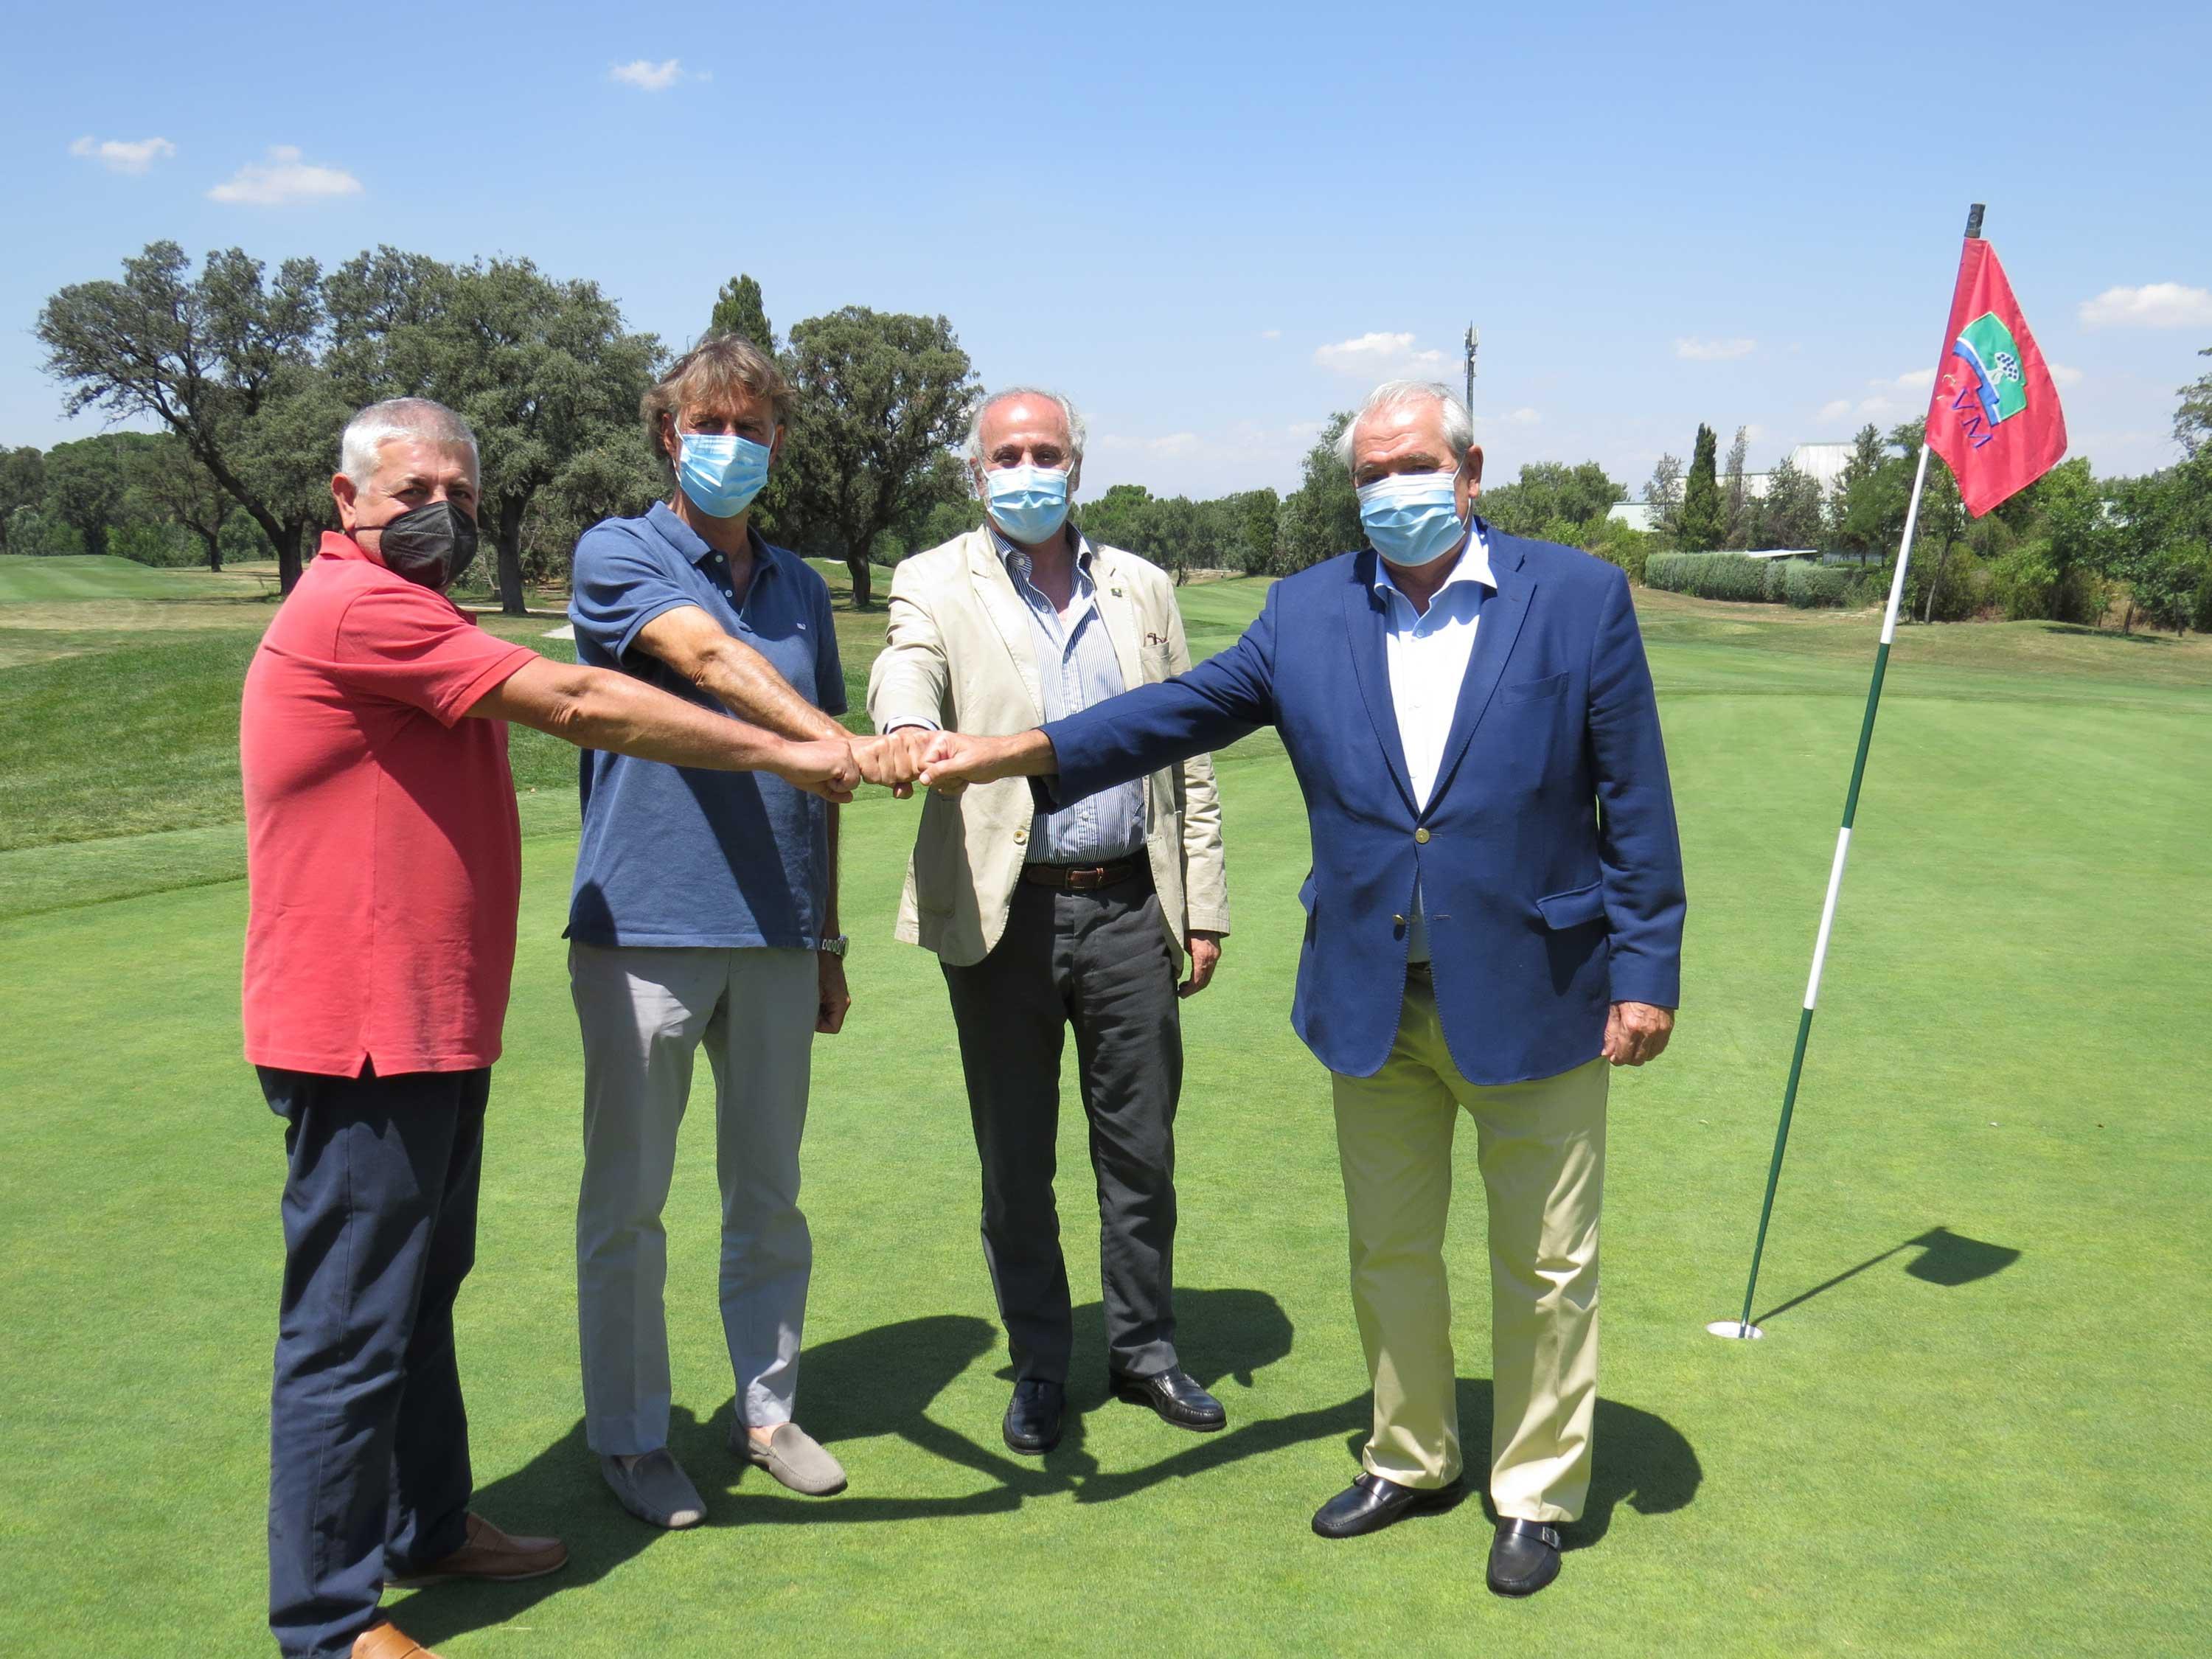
1008	614
1119	612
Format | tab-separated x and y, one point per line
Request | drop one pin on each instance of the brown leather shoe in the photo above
490	1554
387	1641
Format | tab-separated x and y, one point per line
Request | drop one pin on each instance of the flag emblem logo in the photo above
1986	346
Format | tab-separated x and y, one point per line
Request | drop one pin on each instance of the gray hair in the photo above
1459	425
1076	429
419	418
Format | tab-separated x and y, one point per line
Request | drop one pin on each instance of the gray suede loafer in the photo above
792	1456
654	1488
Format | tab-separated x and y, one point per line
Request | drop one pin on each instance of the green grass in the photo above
2013	1465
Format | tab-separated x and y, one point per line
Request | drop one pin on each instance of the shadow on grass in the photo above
1640	1459
1946	1258
883	1382
873	1383
2088	633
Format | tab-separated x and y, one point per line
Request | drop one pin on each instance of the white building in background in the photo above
1822	463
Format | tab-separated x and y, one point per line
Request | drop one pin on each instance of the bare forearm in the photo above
629	717
596	708
747	685
830	921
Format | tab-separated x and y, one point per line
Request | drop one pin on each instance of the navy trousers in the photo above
368	1445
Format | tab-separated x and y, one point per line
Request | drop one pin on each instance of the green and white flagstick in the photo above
1741	1328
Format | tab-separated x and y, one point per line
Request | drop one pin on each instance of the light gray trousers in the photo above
644	1013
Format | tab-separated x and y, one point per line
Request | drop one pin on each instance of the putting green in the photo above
1942	1447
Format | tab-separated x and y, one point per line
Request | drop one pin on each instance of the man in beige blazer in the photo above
1043	921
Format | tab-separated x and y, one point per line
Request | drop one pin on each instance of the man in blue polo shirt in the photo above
704	915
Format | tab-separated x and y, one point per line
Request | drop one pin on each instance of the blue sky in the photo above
1210	225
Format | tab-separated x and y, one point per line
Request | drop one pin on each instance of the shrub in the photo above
2024	581
1965	589
1734	576
1810	586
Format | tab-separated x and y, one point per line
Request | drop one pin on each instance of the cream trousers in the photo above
1542	1149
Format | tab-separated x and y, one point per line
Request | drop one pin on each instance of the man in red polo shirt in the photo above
384	859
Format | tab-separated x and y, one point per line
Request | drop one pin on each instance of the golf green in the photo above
1977	1424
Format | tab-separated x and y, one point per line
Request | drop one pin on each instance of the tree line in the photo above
248	376
2072	547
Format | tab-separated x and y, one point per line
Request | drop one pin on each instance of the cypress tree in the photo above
1704	516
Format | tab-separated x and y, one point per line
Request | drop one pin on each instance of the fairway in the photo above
1977	1425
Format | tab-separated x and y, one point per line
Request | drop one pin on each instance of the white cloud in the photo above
1524	417
1713	351
1916	380
1271	334
282	179
647	75
2064	376
1877	408
2154	305
124	155
1378	358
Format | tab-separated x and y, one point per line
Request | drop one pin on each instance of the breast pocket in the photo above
1552	685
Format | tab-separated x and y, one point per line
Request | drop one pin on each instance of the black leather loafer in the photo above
1524	1556
1174	1396
1370	1503
1032	1422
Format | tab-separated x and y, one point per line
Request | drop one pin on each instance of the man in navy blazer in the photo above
1494	917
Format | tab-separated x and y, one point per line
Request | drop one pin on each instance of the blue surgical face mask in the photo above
1413	518
1029	503
721	472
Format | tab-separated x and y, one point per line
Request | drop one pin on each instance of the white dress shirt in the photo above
1428	653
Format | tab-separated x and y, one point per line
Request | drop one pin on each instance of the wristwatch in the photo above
834	947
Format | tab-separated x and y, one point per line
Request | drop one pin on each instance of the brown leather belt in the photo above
1083	878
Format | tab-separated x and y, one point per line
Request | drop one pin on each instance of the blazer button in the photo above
1021	838
1422	836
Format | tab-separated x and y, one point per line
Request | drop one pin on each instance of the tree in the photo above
1662	493
177	485
1120	517
1703	522
22	485
1253	514
738	310
1866	511
881	398
2192	418
1548	494
543	371
1789	514
1735	501
85	488
1321	518
223	360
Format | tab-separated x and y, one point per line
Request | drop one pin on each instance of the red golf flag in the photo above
1994	417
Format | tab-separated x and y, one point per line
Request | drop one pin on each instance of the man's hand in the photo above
1636	1032
953	760
893	760
836	1000
1205	957
824	767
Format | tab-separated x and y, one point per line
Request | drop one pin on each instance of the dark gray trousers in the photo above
1100	963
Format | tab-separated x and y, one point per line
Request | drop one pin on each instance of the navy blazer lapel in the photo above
1363	620
1503	613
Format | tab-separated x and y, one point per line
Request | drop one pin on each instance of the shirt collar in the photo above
1017	561
1473	569
693	546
